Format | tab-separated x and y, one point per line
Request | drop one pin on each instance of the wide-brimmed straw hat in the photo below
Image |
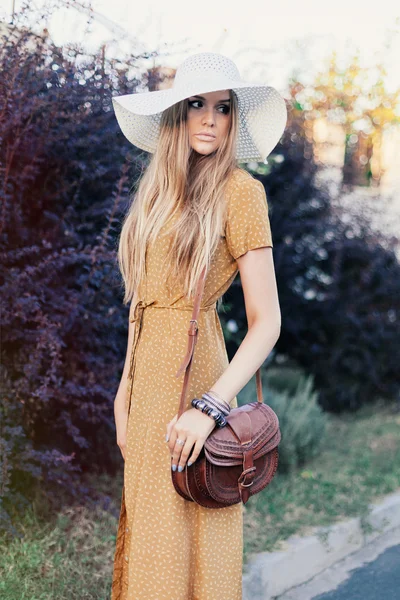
262	110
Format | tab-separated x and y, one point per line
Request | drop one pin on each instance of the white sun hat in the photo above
262	110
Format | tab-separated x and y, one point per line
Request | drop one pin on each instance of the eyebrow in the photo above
202	98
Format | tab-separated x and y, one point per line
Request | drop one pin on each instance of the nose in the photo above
208	118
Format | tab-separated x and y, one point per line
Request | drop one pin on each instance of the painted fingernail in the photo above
189	463
173	467
166	437
180	468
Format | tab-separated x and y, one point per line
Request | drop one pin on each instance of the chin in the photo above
204	151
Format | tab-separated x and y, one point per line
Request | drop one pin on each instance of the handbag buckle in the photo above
196	323
247	484
243	475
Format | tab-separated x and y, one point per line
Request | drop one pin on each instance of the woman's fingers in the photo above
122	448
176	448
170	430
192	428
181	453
121	443
196	450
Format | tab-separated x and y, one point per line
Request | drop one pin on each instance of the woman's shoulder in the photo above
241	180
247	223
242	186
240	175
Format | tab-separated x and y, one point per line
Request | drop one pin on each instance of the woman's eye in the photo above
225	109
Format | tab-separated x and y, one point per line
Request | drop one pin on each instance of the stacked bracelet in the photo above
209	410
221	405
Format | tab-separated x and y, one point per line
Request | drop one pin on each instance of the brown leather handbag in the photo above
237	460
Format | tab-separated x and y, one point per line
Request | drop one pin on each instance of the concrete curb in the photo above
270	574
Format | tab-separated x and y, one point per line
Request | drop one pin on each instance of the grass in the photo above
65	558
69	555
359	464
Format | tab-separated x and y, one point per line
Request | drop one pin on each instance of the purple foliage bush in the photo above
341	297
64	185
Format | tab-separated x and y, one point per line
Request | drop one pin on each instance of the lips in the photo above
207	137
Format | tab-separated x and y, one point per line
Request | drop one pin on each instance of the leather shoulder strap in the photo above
193	333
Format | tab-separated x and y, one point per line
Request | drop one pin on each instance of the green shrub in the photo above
283	379
301	419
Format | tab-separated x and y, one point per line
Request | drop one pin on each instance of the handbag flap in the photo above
253	426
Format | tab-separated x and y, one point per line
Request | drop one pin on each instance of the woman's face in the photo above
208	113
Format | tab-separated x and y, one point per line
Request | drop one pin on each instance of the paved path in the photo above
372	573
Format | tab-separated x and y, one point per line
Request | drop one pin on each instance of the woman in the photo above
194	207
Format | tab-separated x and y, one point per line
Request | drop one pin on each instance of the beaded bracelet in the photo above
209	410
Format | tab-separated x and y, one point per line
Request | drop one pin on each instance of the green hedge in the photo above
301	419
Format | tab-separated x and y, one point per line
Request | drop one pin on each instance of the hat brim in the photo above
262	114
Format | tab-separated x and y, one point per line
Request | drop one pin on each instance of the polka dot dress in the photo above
169	548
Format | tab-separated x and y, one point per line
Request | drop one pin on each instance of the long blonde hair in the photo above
178	181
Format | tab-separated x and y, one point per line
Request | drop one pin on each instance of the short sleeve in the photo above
247	223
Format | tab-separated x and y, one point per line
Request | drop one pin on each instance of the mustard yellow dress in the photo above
169	548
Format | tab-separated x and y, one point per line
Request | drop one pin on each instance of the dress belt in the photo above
137	316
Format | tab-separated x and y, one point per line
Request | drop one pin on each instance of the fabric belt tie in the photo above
138	316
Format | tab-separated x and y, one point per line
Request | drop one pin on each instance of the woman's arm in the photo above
120	411
257	275
264	321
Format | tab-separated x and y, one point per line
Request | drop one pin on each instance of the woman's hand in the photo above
121	440
193	427
121	422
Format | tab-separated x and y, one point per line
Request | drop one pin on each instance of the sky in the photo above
266	40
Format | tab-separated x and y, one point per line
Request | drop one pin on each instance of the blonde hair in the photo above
178	181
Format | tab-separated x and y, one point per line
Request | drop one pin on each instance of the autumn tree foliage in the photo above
356	99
